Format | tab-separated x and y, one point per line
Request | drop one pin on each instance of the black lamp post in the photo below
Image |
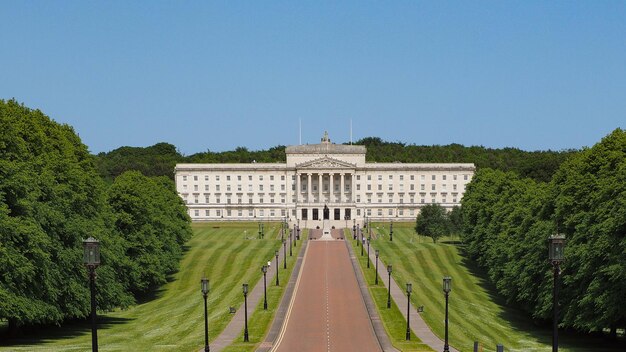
295	237
91	258
362	244
298	230
276	253
245	306
447	287
389	269
377	253
284	253
264	270
408	305
204	285
260	231
556	256
290	242
391	231
353	232
368	252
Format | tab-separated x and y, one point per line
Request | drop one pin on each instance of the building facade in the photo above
319	181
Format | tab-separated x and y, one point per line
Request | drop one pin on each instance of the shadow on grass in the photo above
540	330
33	335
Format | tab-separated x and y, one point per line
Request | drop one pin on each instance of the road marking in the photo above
291	302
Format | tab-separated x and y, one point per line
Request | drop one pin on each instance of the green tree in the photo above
432	221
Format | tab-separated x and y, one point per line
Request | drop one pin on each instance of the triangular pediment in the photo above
326	163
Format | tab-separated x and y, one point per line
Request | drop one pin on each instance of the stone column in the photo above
319	187
297	187
308	187
342	187
331	190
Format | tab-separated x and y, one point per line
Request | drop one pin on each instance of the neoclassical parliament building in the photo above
318	181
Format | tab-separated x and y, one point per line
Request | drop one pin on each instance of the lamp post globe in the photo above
204	288
389	270
245	305
91	259
556	255
447	287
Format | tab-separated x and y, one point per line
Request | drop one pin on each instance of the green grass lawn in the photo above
173	319
260	320
394	323
476	311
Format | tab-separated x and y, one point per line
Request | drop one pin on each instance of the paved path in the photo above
327	312
418	326
235	327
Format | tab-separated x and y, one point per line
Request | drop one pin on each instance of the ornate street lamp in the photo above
377	253
245	305
408	305
290	241
389	269
368	252
284	253
362	244
91	259
391	231
276	253
264	270
556	256
204	285
447	287
353	232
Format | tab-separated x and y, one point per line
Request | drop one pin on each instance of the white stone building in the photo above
317	177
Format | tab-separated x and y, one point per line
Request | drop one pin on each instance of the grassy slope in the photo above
259	321
173	320
394	323
477	313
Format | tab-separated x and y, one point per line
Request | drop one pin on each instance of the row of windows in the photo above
228	177
249	213
358	177
218	188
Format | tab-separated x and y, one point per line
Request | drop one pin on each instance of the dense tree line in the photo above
51	198
507	220
160	159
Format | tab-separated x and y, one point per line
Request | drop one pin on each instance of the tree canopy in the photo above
51	198
507	220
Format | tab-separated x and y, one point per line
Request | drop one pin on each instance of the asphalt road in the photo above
327	312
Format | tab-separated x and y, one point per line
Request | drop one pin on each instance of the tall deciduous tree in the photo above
432	221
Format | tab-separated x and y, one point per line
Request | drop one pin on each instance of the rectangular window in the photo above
228	200
206	177
206	187
217	200
184	178
443	177
206	198
238	177
422	187
465	177
401	177
271	177
380	177
422	177
369	212
261	200
217	177
380	187
282	187
271	188
217	188
195	199
249	188
260	177
434	177
207	212
239	188
390	212
227	188
380	212
358	177
454	177
390	200
369	187
227	177
260	187
250	213
229	213
249	177
184	187
412	187
196	212
412	177
432	187
391	187
282	177
195	178
261	212
369	177
218	213
239	213
195	188
454	187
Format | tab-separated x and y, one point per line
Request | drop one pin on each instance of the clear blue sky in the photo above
217	75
